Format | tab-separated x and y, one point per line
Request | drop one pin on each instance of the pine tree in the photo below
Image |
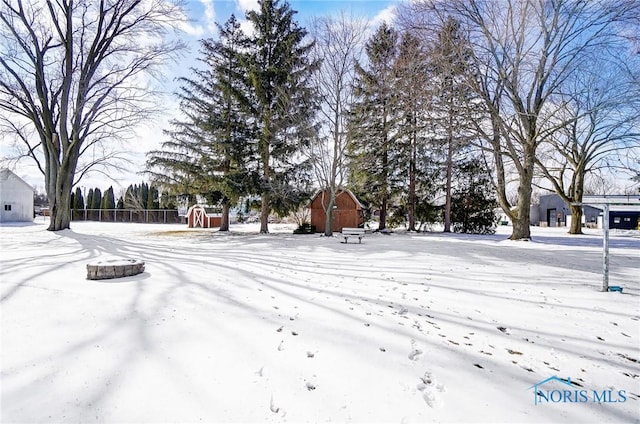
453	101
108	199
280	73
473	201
90	199
152	199
373	128
414	165
108	203
212	151
144	195
96	202
78	199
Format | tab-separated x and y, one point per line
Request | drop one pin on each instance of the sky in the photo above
203	14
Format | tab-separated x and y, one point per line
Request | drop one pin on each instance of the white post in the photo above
605	249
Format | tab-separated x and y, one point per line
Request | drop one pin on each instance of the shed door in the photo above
551	218
198	218
336	221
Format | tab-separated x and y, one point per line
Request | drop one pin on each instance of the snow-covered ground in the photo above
243	327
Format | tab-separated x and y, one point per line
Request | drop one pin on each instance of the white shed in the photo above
16	198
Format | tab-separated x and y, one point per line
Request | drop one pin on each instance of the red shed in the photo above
347	212
198	217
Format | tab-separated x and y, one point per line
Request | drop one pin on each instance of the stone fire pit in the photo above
114	268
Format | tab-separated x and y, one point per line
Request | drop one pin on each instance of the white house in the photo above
16	198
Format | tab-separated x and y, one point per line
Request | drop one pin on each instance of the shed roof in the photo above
615	199
338	191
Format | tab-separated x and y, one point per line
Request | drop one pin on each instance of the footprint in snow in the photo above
273	406
281	345
415	352
431	390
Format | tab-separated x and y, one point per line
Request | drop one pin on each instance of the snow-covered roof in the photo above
611	199
618	203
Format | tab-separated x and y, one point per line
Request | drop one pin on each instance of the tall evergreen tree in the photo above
280	73
89	203
452	104
153	200
78	199
414	167
373	125
108	199
96	201
473	199
211	150
144	195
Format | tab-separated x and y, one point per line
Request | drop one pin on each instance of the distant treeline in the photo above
137	196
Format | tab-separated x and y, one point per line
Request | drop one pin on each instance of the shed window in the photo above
616	220
7	207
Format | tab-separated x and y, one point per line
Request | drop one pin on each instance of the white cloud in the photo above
247	27
192	30
246	5
387	15
201	23
209	15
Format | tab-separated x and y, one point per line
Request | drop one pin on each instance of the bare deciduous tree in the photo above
524	50
75	74
601	127
339	43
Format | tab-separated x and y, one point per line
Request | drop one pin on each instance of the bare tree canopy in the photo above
339	43
524	52
74	76
600	131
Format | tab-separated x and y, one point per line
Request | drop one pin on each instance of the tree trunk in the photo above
60	218
522	219
59	182
447	204
412	183
264	213
576	195
576	219
224	222
265	147
412	201
328	224
385	185
383	214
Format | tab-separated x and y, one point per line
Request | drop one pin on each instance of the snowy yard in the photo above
243	327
